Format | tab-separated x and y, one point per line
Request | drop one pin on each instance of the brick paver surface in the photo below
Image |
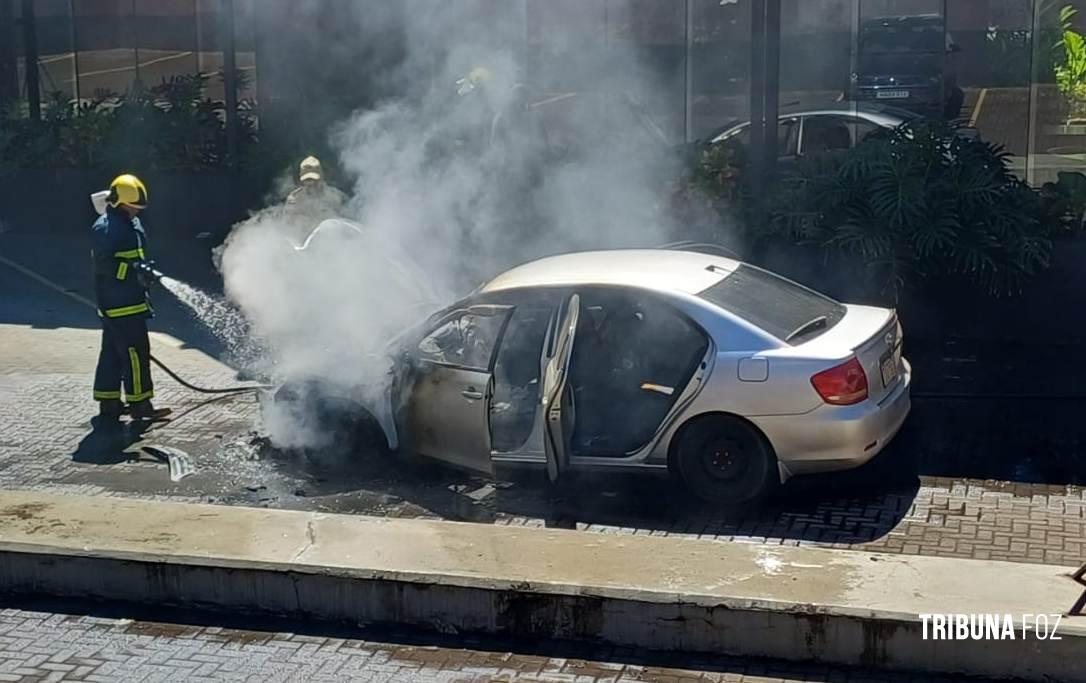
43	646
46	443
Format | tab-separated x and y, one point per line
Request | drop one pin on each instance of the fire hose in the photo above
147	269
205	390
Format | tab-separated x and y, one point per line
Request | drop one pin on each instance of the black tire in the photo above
722	459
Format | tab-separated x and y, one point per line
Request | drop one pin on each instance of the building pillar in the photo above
764	97
30	51
230	80
9	72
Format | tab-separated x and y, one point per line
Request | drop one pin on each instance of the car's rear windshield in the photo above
783	309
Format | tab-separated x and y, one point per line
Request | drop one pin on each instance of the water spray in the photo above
148	270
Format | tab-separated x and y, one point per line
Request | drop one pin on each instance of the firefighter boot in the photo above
109	415
111	409
146	412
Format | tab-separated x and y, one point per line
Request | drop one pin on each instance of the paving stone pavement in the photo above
41	646
46	443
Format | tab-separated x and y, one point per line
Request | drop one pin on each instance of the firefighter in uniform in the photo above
312	201
313	189
121	282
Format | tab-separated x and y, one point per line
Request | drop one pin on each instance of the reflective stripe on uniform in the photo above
136	398
107	396
137	379
122	270
131	253
125	310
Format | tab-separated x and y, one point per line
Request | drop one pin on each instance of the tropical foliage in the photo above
1065	201
172	126
1070	68
917	201
924	200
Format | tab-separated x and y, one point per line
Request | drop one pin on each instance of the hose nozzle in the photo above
147	268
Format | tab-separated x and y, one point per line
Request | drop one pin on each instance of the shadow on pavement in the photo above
66	265
108	443
850	507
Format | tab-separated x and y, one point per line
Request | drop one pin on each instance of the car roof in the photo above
887	118
661	270
880	115
927	19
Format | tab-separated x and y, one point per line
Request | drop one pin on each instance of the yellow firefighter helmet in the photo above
309	169
129	190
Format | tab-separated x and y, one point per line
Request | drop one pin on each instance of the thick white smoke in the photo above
448	190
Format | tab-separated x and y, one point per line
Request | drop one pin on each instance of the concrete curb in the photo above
843	607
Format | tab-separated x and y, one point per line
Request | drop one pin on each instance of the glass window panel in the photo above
1057	127
649	38
816	48
103	40
56	56
719	79
164	35
902	58
10	54
244	50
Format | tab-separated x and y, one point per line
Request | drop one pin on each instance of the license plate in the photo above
892	95
888	366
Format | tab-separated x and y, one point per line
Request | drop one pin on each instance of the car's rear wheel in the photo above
722	459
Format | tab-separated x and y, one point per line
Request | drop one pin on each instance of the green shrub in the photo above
1064	201
1070	69
922	200
172	126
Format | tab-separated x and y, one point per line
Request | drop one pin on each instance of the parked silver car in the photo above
728	376
811	131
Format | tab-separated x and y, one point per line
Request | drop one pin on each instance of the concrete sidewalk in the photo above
638	591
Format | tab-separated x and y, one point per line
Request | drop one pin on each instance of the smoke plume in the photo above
453	180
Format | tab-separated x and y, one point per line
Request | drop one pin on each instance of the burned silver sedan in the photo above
729	377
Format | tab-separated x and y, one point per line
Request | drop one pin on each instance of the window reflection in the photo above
1058	96
719	79
56	57
106	55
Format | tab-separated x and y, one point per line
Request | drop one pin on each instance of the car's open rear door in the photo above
557	396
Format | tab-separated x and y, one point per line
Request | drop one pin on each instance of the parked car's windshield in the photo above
781	308
903	37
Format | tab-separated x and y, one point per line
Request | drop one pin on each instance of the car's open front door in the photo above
447	412
557	396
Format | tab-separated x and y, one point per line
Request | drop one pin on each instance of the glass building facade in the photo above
990	63
993	63
85	49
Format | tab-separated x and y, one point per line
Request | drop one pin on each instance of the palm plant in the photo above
918	201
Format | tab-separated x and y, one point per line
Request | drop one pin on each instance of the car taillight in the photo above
842	385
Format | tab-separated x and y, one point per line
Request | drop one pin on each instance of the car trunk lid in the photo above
874	336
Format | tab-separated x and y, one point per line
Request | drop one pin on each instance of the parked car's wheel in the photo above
722	459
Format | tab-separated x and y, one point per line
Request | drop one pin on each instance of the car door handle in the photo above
471	393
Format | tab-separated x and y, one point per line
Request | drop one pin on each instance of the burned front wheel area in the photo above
328	430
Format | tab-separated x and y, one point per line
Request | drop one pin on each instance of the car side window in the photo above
861	129
787	136
825	133
465	339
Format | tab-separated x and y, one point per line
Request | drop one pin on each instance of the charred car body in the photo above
721	373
